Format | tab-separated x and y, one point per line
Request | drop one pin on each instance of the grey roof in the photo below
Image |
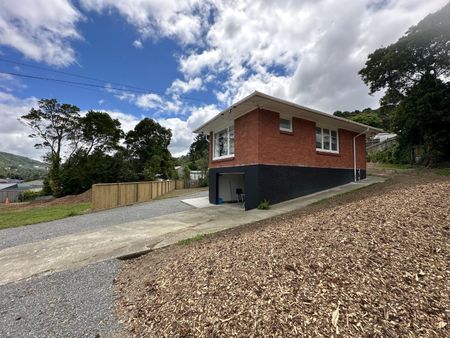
4	186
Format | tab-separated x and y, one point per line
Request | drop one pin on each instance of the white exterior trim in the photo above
287	118
264	101
322	150
214	157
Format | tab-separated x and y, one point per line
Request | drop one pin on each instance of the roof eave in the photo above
281	101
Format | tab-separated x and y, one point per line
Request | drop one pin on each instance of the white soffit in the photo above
264	101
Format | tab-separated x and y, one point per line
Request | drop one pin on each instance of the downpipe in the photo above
355	177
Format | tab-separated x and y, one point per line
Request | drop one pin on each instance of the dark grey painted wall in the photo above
280	183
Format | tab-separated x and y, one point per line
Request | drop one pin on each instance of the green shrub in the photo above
264	205
393	155
29	195
203	181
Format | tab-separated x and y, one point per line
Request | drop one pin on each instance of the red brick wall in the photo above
245	142
258	140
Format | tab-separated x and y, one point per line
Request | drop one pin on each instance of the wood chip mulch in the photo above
375	267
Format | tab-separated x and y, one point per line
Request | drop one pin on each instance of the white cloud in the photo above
137	44
10	83
194	63
182	135
182	130
305	51
40	29
14	134
308	52
182	20
127	121
149	101
179	86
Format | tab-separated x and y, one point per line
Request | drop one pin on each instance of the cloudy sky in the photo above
180	62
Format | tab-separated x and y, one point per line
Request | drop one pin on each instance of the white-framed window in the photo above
285	123
224	143
327	140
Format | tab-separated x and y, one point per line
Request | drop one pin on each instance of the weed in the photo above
196	238
444	171
264	205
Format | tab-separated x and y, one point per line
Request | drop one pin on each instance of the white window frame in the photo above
228	144
288	119
322	149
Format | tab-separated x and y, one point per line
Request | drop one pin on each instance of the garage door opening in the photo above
231	188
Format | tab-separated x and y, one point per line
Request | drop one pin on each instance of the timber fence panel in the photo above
112	195
179	184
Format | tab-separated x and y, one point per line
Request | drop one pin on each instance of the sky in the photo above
181	62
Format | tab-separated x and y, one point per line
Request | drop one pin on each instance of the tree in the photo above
367	116
423	118
55	124
99	132
414	72
81	172
199	153
147	147
198	157
423	50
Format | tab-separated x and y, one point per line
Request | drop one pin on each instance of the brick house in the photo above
268	148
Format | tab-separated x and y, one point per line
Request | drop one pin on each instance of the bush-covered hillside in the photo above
15	166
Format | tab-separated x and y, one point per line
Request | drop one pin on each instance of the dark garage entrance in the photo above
229	186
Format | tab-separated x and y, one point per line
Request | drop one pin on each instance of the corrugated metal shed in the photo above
4	186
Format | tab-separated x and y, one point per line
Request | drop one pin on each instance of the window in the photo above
224	143
285	124
327	140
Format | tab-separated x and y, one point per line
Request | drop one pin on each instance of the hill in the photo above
15	166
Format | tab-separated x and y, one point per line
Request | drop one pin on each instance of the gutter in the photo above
354	153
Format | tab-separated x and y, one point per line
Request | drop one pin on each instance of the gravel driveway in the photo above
73	303
41	231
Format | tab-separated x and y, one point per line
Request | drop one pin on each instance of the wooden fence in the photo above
112	195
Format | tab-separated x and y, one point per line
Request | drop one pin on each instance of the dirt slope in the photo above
370	266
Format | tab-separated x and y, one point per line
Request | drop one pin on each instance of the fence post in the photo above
118	194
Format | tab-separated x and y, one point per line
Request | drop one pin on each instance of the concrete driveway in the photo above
96	220
132	238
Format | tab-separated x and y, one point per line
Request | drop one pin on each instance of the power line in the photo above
69	82
70	74
106	85
92	85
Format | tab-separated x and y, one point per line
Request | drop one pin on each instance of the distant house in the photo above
380	142
194	175
381	137
8	186
9	191
268	148
35	185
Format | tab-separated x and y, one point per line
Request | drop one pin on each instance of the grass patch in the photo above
18	217
444	171
342	194
196	238
396	166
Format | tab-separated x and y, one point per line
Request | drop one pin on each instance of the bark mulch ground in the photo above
371	263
